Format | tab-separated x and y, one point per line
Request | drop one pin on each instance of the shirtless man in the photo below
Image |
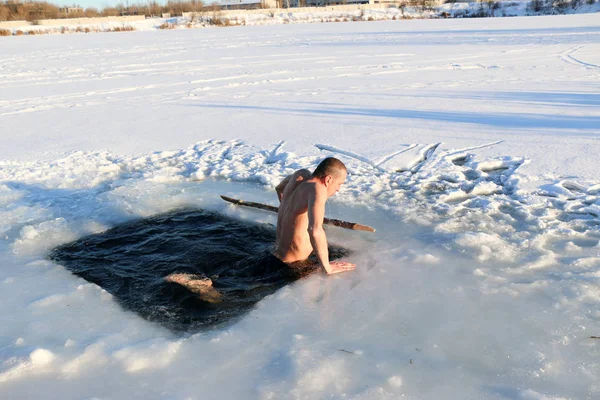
299	226
300	217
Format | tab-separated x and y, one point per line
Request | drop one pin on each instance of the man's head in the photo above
332	173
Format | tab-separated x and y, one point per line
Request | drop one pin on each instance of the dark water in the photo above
131	261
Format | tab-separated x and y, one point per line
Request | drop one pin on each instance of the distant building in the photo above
256	4
246	4
70	10
312	3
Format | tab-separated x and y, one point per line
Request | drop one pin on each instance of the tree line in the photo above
31	10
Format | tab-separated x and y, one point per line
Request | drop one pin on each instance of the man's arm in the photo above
318	239
296	177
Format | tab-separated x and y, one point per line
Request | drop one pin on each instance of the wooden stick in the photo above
329	221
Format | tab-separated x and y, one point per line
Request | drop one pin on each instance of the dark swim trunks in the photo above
291	271
273	263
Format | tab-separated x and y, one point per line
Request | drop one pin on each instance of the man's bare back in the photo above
300	217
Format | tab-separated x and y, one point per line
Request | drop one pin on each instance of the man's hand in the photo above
336	267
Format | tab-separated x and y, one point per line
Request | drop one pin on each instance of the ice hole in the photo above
133	261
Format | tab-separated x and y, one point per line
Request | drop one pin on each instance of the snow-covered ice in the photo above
472	147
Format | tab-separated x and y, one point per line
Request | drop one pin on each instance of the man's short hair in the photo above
330	166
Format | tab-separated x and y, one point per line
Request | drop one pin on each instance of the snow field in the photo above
471	147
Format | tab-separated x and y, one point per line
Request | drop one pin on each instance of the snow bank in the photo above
506	247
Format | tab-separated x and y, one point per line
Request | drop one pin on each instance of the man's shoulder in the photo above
313	189
308	188
304	173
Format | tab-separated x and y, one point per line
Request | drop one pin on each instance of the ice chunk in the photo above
41	357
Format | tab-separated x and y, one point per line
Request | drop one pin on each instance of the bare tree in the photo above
4	13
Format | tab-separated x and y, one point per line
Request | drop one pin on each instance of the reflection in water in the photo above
188	269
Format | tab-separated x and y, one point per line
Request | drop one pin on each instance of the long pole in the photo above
329	221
